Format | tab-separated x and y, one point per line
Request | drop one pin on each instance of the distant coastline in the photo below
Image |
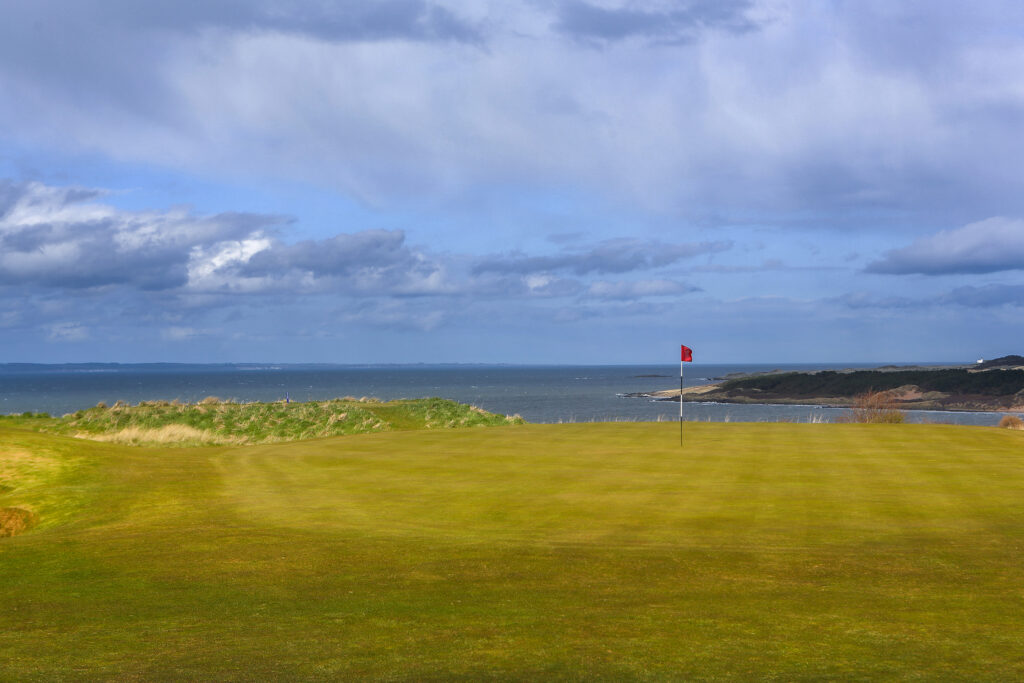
996	385
540	393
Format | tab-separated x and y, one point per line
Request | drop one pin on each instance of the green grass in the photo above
598	551
216	422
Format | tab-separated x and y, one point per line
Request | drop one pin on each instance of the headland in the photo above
995	385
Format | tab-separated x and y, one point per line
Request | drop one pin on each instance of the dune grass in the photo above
591	551
216	422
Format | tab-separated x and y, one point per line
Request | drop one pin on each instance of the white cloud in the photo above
67	332
207	265
176	333
63	238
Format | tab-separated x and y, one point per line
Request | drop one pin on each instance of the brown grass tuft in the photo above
16	520
1011	422
166	435
876	407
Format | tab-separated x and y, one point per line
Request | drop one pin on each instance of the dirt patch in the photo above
14	521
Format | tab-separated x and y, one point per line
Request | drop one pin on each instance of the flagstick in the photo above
680	402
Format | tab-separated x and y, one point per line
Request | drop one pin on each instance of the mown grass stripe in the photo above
598	551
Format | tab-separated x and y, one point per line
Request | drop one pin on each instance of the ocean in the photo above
539	393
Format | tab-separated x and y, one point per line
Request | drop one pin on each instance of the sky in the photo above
483	181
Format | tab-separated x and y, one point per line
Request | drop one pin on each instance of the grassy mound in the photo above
597	551
216	422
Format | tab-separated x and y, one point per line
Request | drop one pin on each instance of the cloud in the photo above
610	256
66	239
411	98
67	332
986	296
372	262
57	237
340	20
543	285
61	238
179	333
679	23
338	255
988	246
395	314
772	264
637	289
867	300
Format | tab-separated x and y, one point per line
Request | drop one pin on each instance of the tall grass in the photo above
213	421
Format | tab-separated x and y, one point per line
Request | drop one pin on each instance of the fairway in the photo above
581	551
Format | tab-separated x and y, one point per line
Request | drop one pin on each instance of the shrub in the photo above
1011	422
877	407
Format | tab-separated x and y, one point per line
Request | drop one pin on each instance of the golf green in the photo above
581	551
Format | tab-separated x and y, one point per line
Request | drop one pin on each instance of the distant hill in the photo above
1004	362
995	385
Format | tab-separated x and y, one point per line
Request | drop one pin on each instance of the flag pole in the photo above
685	356
680	401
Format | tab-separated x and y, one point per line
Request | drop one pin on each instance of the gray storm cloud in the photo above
722	107
337	255
340	20
988	246
678	22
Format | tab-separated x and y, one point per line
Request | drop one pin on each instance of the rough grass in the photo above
1011	422
216	422
543	552
876	407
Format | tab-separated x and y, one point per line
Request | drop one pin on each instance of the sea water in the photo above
539	393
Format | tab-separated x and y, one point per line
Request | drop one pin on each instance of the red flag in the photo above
687	354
